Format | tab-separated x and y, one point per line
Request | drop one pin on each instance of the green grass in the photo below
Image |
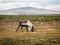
31	18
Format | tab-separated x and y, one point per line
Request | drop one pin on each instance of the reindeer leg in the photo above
21	28
27	29
17	28
32	29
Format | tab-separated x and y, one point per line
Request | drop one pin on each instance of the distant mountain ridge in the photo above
27	11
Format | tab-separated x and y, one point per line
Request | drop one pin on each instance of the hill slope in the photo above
27	11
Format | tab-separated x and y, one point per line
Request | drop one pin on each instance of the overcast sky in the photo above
45	4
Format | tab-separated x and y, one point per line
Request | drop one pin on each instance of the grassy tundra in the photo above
31	18
47	30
